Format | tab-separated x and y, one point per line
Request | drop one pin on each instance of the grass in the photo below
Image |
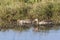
28	9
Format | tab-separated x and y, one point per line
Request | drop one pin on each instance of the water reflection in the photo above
43	28
30	35
47	32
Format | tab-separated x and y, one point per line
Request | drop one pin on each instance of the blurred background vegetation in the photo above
12	10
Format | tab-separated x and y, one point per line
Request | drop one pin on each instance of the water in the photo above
30	35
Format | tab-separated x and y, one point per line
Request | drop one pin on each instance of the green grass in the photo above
28	9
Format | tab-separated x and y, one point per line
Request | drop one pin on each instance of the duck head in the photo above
35	21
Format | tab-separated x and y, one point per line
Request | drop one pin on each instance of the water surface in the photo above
30	35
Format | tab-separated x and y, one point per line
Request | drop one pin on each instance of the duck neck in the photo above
37	22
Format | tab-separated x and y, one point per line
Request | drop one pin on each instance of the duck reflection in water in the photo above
42	28
36	29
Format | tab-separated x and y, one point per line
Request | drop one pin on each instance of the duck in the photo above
23	22
43	22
